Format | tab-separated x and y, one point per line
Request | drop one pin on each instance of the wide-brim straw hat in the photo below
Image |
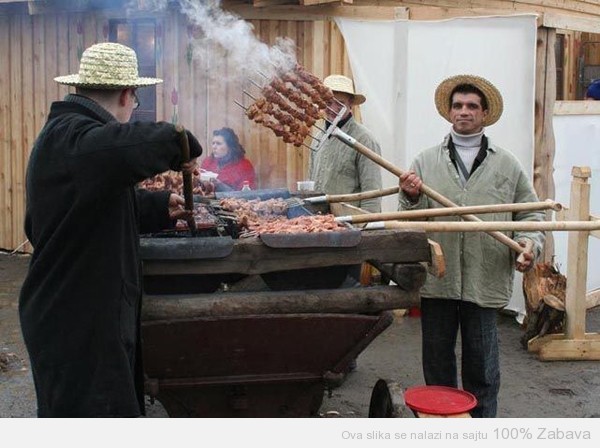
107	65
492	96
340	83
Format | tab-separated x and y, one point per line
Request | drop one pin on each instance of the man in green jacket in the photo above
469	169
337	168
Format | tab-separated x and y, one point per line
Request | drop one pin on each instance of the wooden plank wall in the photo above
35	49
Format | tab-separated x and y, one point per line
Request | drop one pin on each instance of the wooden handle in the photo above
331	198
370	154
489	226
527	248
188	187
455	211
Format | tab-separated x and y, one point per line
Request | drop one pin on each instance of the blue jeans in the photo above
480	367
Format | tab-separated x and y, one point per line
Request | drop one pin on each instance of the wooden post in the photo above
575	344
578	255
545	96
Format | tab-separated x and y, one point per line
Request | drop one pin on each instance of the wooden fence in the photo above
36	48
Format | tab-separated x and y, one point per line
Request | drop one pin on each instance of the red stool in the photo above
439	401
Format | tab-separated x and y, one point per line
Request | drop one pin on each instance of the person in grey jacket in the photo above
80	303
337	168
469	169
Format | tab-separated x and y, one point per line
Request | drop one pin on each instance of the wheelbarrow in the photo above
262	354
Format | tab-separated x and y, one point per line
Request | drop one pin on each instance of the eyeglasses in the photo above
136	101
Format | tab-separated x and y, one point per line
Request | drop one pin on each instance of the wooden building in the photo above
43	39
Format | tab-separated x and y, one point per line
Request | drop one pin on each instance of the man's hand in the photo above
190	167
525	259
176	208
410	184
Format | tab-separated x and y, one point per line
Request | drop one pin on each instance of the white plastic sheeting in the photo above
577	144
398	65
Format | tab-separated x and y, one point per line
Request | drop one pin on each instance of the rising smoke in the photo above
226	38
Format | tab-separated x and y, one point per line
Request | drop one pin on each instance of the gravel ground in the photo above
530	388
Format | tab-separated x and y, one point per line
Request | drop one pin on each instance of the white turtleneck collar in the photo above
466	141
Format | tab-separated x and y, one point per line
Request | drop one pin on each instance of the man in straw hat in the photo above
338	169
335	167
469	169
80	303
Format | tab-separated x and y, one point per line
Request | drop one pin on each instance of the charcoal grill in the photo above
216	241
265	353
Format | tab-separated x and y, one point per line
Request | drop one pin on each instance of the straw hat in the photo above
492	95
107	65
339	83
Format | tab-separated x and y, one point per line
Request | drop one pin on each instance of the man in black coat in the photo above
80	303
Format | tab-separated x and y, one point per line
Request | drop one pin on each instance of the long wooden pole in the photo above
487	226
188	187
352	197
344	300
425	189
450	211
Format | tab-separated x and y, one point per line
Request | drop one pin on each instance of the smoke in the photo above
224	38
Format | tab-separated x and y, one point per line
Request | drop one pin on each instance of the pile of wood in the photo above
544	288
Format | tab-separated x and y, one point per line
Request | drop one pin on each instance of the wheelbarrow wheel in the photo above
387	401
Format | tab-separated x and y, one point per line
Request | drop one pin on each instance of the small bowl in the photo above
208	175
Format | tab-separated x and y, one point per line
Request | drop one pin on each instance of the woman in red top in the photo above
228	160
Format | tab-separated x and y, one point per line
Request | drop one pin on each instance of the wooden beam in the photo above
373	299
569	22
576	8
251	256
571	48
319	12
420	12
577	255
585	348
577	107
316	2
558	341
544	143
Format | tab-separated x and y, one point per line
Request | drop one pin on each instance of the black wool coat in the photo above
80	302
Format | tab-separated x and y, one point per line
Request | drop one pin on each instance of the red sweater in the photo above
233	174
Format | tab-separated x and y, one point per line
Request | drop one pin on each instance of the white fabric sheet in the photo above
577	144
398	65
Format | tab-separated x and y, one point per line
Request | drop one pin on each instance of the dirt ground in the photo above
530	388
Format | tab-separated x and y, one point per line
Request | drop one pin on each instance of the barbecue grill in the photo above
261	353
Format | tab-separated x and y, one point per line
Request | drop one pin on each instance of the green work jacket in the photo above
479	268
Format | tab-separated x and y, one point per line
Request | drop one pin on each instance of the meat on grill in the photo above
291	105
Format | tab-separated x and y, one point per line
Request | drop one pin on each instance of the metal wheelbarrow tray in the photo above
252	366
260	354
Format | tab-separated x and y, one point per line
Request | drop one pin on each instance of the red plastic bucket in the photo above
439	400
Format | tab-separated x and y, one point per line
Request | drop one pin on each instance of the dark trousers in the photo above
480	367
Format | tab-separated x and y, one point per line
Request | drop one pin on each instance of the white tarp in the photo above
398	65
577	144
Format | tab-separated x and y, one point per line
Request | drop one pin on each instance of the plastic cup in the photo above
306	185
